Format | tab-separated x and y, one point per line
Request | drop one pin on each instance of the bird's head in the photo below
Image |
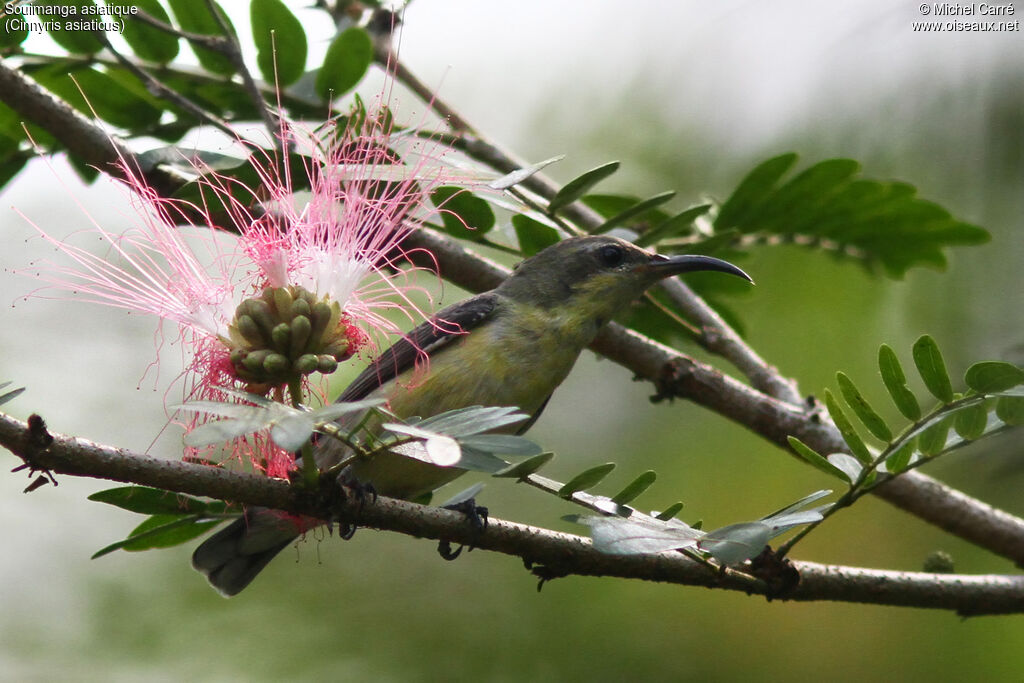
599	272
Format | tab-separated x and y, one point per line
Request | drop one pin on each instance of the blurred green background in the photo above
689	97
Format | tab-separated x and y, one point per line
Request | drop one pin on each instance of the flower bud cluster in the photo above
287	333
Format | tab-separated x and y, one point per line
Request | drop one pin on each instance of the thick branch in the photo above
551	554
675	374
79	135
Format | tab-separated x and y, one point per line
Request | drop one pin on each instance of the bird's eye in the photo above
611	255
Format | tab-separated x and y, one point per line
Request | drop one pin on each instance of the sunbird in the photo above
511	346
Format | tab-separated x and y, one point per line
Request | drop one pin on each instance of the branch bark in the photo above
676	375
549	554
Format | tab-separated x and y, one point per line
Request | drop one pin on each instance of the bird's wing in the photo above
447	326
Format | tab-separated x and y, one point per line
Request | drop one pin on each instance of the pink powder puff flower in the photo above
303	283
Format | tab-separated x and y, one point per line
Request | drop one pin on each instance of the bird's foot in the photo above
475	514
477	517
341	489
359	490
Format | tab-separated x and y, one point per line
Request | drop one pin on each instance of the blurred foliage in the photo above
386	609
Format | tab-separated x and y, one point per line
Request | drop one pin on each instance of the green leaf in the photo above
161	531
533	235
1010	409
111	100
900	458
195	17
847	464
633	211
465	215
150	501
680	224
437	449
635	488
291	432
9	38
148	42
347	60
279	39
11	166
736	543
578	187
929	363
846	429
896	382
810	185
826	207
814	458
629	536
609	205
670	512
932	440
872	420
520	174
752	190
462	422
77	41
83	170
970	422
476	461
463	496
10	395
796	506
526	467
989	377
505	444
586	479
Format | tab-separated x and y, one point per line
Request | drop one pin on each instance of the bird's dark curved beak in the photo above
662	266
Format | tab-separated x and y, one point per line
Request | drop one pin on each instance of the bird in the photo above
510	346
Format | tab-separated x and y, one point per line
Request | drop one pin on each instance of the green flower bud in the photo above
301	306
306	364
320	316
283	303
338	349
301	330
261	312
254	361
276	364
326	364
282	336
250	330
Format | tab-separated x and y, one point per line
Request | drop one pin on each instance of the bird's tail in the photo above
232	557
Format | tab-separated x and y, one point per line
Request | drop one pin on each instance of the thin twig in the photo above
162	91
210	42
233	51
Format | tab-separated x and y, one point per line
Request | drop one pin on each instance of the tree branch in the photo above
160	90
549	554
676	375
82	138
233	51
